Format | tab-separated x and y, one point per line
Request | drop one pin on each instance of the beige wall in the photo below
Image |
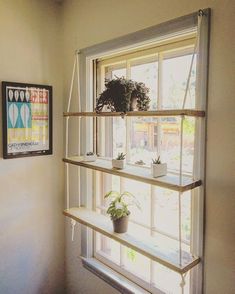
92	21
31	189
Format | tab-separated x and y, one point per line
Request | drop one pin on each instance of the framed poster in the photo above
27	119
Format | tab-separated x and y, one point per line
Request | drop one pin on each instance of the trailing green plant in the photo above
156	160
121	156
120	94
119	203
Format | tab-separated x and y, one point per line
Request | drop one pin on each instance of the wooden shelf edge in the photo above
158	113
148	180
133	243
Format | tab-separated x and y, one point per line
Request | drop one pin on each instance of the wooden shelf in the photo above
142	174
158	113
152	248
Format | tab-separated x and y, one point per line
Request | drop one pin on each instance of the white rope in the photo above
78	80
200	14
183	283
181	147
180	194
73	223
79	123
180	229
67	137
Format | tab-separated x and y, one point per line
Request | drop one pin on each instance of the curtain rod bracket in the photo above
77	52
201	12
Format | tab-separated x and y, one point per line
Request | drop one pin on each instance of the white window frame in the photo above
139	39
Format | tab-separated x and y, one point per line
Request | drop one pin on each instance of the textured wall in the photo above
90	22
31	189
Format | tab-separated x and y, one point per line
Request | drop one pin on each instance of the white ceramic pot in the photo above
159	170
119	164
90	157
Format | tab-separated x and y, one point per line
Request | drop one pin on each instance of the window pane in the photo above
168	280
166	217
174	75
134	261
108	248
147	73
119	136
142	193
118	73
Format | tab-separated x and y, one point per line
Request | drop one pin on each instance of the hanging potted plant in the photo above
118	209
122	95
158	169
119	162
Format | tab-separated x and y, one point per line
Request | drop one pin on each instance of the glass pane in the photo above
119	136
142	193
147	73
175	71
108	248
168	280
118	73
133	261
166	217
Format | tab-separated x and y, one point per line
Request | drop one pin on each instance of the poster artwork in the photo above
27	118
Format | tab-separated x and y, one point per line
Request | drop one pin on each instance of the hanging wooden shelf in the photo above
158	113
152	248
142	174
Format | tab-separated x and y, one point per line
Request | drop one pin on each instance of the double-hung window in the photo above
164	69
174	70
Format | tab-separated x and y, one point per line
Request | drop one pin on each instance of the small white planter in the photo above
159	170
119	164
90	157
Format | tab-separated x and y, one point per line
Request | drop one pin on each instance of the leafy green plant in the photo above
120	95
131	254
121	156
119	203
156	160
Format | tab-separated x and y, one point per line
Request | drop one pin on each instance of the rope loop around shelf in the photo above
73	224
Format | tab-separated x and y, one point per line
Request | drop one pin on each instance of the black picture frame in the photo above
26	119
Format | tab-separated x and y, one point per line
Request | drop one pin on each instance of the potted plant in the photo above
123	95
158	169
118	209
119	162
90	156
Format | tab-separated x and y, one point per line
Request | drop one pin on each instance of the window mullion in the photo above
159	101
152	211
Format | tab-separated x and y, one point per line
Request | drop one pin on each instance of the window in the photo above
160	57
164	69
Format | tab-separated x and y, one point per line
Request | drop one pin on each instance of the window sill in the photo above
117	281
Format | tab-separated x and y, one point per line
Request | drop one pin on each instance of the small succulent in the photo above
90	153
121	156
140	162
156	160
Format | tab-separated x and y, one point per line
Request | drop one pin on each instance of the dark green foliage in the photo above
156	160
121	94
121	156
